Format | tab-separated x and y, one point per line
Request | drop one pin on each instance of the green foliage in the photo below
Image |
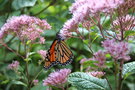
84	81
3	2
14	82
129	33
56	14
39	87
2	20
18	4
89	63
128	69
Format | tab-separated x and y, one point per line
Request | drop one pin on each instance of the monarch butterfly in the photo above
59	53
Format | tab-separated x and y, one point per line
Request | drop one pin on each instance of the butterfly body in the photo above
58	53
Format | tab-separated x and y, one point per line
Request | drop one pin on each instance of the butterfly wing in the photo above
58	53
63	53
50	59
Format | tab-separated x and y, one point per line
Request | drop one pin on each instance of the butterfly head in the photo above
59	37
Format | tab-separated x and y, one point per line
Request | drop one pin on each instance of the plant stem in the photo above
108	82
115	74
36	76
10	40
51	3
120	76
81	68
27	61
12	50
62	87
27	75
100	27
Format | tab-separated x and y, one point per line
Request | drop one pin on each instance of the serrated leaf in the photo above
18	4
128	69
84	81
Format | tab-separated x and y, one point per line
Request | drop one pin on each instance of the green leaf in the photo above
15	82
95	38
86	41
18	4
128	69
109	64
19	83
129	33
31	53
3	2
4	82
2	20
90	63
108	56
39	87
27	59
83	31
10	56
84	81
33	69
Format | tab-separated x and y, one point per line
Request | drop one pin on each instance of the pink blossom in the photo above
127	22
83	9
14	65
1	34
86	59
100	56
87	24
42	53
81	13
118	50
57	78
95	5
25	27
68	27
35	82
42	40
83	60
98	74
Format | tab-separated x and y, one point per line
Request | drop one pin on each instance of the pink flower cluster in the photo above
127	23
83	9
98	74
68	27
14	65
1	34
100	57
42	53
95	5
57	78
25	27
118	50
